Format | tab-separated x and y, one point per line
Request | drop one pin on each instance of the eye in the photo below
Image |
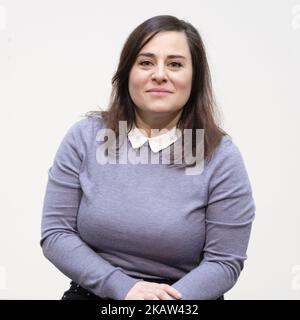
173	64
178	64
142	63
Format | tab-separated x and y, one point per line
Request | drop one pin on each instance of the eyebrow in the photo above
172	56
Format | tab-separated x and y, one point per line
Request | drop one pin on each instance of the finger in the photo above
164	296
155	295
172	291
151	296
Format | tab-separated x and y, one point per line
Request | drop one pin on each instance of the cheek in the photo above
136	80
184	83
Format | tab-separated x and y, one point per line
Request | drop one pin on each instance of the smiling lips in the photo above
159	92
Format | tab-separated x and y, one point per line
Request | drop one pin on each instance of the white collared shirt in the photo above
157	143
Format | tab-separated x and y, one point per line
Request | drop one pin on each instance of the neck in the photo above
156	121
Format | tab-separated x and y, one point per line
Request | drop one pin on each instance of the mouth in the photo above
159	93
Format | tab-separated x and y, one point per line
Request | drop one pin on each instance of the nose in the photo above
159	74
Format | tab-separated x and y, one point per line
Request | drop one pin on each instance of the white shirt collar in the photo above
157	143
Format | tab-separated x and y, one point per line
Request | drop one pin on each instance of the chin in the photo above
160	108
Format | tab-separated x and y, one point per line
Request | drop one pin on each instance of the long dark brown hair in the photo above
199	112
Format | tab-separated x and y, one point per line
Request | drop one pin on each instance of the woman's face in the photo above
158	65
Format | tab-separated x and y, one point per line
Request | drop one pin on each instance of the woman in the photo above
129	230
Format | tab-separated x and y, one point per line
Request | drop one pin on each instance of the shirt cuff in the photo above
118	285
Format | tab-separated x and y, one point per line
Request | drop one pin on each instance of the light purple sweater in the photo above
102	224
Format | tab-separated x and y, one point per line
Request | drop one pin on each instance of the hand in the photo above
145	290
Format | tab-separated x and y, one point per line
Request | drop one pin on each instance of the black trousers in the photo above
76	292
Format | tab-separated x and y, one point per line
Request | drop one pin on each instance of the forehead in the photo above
168	43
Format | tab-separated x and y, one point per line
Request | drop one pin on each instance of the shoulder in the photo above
80	136
226	155
226	147
86	127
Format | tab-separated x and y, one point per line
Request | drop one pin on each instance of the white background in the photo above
57	59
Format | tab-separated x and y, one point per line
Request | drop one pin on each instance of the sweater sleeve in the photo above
60	240
230	212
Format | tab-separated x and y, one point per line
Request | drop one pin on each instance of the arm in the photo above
60	240
229	214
